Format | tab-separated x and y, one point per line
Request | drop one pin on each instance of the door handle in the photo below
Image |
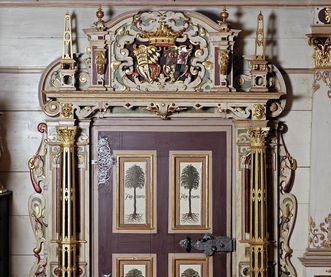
209	244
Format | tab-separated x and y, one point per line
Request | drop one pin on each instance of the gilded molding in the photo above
66	134
319	236
37	162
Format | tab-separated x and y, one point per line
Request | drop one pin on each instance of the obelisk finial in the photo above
259	40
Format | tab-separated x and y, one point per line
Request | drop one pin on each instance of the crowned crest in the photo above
163	36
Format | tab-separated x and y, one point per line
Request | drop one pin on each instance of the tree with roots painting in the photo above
190	179
134	273
190	273
135	178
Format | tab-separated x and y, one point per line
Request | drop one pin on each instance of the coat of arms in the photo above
162	56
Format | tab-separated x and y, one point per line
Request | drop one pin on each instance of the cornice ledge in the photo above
163	95
316	257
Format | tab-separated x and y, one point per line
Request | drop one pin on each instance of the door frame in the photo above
182	125
72	108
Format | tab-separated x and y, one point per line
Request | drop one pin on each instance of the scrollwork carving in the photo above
244	269
288	164
39	225
325	77
236	112
287	218
319	236
37	162
288	204
105	161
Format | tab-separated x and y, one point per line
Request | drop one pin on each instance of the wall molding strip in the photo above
214	3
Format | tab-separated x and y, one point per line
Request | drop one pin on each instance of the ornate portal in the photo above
115	177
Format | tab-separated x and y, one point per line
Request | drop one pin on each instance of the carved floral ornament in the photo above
320	40
170	59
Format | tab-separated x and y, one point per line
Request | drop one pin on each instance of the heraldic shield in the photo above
158	57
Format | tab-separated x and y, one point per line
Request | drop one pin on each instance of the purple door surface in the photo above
162	187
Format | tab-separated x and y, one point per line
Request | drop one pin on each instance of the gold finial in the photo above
100	24
67	53
223	23
259	40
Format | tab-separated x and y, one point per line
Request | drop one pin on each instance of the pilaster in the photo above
258	204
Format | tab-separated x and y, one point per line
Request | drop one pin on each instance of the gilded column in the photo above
67	234
258	204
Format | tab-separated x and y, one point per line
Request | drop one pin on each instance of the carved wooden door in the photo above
157	189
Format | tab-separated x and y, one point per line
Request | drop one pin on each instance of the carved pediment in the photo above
159	59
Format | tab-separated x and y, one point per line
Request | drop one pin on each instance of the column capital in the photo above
66	134
257	136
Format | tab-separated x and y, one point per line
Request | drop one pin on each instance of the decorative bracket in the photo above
164	110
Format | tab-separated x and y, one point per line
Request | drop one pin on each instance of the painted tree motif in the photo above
135	178
134	273
190	273
190	179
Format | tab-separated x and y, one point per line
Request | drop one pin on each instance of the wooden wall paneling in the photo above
20	139
87	3
19	92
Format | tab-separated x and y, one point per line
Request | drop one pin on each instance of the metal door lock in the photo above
209	244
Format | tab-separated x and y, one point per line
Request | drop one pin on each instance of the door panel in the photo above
181	193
